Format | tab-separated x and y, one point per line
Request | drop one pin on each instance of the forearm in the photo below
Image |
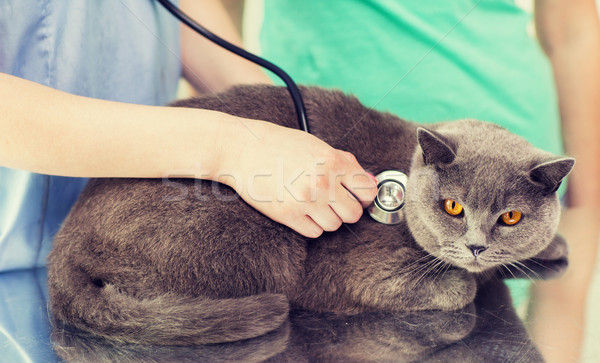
557	316
578	80
207	66
577	72
52	132
569	32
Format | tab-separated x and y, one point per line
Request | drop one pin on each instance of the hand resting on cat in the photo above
184	262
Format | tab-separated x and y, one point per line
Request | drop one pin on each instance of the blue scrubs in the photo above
121	50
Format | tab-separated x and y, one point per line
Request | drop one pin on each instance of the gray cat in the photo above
136	262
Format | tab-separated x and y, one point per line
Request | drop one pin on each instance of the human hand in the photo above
294	178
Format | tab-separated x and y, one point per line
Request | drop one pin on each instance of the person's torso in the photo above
121	50
425	61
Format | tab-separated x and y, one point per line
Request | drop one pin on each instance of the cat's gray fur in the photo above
136	262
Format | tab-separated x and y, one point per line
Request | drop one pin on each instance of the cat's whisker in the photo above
441	267
443	270
486	274
435	270
407	270
536	275
427	267
416	262
523	272
519	269
501	271
507	269
431	267
539	264
424	270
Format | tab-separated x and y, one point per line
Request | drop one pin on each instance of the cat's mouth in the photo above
468	261
473	264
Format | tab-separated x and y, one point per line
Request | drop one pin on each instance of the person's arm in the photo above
210	68
569	32
48	131
206	66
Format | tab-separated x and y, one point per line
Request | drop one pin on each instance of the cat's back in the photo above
173	225
379	140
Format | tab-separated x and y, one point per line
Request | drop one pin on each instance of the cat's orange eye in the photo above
511	218
452	207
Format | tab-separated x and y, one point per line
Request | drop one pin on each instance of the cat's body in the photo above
186	262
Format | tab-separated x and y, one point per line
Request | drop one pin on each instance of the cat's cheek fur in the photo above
527	244
417	211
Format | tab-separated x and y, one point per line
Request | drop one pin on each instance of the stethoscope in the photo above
391	184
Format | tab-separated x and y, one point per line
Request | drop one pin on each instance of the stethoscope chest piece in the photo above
391	193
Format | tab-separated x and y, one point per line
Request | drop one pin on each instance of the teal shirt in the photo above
425	61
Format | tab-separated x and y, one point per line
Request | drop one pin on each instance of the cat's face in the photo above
479	197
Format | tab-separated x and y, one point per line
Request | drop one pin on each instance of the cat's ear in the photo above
436	148
550	174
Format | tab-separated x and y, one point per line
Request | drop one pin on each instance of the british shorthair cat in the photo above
133	262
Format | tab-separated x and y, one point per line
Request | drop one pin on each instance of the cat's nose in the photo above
476	249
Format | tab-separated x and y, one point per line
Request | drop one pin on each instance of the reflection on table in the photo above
488	330
24	323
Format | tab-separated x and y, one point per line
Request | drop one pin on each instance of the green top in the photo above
425	61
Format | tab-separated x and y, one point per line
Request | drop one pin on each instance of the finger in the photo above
346	206
361	184
348	155
306	226
326	218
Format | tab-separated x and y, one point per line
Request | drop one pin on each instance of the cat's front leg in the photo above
409	280
455	289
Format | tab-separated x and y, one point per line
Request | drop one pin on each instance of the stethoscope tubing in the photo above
392	177
289	82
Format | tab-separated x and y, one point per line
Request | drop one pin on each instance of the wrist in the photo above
235	142
193	144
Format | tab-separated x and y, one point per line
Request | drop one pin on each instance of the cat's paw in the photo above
453	290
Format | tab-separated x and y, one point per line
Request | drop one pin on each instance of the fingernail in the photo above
372	177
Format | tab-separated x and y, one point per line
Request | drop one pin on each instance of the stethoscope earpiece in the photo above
391	193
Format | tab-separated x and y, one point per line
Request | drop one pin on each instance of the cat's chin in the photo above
473	266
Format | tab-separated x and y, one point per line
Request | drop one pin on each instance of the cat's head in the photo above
478	196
